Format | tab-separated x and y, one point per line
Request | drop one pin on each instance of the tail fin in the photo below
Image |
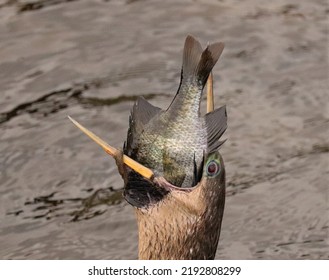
197	64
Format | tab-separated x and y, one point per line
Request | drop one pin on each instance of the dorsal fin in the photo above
141	113
216	123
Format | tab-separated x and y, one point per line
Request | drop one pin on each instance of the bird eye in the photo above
213	168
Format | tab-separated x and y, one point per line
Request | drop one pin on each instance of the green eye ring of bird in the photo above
213	165
213	168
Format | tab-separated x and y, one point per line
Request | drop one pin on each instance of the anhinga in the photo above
173	173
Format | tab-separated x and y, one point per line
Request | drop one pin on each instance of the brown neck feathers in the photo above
184	226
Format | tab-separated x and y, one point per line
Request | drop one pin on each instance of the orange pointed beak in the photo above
142	170
210	94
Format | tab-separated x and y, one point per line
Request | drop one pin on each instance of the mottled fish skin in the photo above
173	142
173	151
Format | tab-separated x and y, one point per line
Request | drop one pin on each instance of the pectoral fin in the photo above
216	123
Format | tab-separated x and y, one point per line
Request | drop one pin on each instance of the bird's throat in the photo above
168	231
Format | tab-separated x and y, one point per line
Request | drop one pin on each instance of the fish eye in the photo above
212	168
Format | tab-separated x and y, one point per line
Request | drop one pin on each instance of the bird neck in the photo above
172	231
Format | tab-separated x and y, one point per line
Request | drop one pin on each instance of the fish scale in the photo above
175	152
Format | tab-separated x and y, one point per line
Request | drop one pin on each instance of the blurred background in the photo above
60	193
